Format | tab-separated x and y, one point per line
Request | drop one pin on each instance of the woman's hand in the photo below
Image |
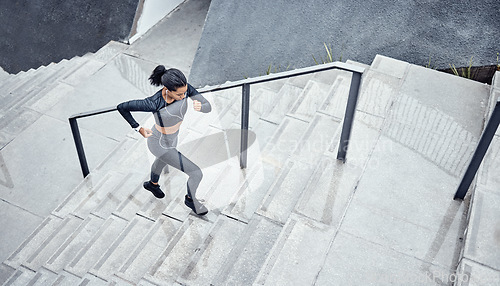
145	132
197	105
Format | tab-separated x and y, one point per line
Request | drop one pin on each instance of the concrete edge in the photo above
461	270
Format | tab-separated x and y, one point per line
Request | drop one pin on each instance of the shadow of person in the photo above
215	148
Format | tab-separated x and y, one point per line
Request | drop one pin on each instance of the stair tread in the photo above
313	96
204	266
247	257
21	277
54	242
148	250
285	99
175	258
96	247
34	241
307	240
74	244
118	252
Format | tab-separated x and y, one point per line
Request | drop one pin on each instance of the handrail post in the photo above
481	149
79	146
349	116
245	112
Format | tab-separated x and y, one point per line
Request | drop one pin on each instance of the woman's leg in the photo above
175	159
156	169
152	184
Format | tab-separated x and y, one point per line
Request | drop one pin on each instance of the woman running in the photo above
169	105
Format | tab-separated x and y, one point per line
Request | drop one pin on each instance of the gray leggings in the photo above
164	149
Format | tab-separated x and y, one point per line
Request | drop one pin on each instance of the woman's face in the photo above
178	94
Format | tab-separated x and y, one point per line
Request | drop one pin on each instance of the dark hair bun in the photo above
155	77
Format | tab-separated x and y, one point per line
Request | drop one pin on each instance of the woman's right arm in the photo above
145	105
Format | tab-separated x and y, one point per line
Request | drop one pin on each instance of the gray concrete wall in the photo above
242	38
35	33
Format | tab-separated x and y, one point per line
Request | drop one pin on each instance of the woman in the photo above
168	105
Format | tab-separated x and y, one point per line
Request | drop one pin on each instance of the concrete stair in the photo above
275	222
27	95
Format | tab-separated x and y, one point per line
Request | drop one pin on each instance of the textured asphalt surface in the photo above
243	38
35	33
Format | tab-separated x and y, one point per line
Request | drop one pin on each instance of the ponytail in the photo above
172	79
155	77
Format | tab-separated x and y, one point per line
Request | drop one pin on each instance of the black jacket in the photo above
154	103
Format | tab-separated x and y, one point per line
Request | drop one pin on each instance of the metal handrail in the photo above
481	149
245	85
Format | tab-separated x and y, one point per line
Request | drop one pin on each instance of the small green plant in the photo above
276	69
430	65
329	56
464	72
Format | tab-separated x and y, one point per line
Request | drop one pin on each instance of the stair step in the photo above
38	82
282	197
145	282
97	246
91	280
328	77
34	241
14	123
336	102
73	245
120	152
129	156
42	254
117	194
17	120
53	84
261	102
99	199
33	90
3	74
266	169
260	135
119	251
309	101
21	277
64	278
109	51
246	258
298	253
228	105
99	194
43	104
284	141
134	202
17	81
351	62
83	72
225	187
149	249
43	277
317	139
184	245
300	81
284	101
6	83
204	265
5	273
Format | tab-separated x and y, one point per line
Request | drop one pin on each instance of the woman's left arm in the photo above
196	96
